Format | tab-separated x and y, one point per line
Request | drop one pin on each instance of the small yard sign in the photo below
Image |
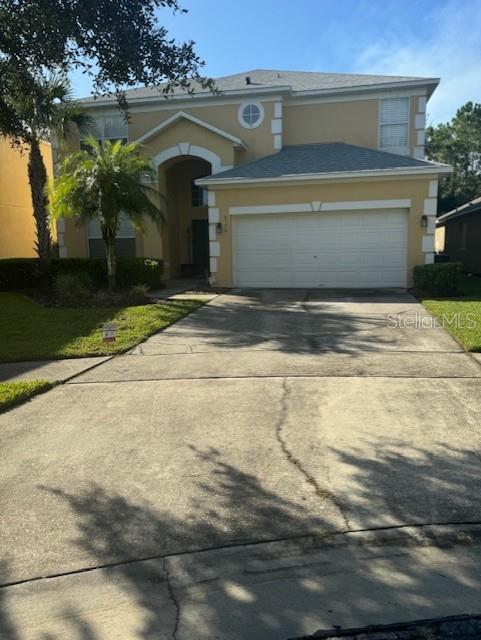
109	332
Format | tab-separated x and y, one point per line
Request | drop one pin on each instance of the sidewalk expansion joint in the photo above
237	545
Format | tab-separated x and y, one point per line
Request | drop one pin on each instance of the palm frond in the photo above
105	181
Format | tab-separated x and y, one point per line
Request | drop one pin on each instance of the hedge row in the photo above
439	279
20	274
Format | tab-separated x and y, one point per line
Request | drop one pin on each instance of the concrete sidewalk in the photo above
51	370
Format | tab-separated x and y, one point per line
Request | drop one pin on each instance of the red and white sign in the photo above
109	332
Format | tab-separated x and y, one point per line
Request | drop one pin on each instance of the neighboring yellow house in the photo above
283	179
17	234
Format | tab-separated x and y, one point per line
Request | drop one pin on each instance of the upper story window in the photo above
394	125
110	127
251	114
198	196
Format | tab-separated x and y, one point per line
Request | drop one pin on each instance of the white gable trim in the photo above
188	149
182	114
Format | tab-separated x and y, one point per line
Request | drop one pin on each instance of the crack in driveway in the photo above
322	493
173	598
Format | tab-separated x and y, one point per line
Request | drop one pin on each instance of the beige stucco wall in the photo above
352	122
147	244
17	225
417	190
303	122
259	141
184	131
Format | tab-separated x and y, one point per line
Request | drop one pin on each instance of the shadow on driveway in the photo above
115	531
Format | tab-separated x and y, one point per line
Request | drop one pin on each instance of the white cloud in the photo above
452	52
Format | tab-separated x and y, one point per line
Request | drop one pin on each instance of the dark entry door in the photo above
200	246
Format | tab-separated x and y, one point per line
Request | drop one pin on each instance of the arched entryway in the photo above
187	229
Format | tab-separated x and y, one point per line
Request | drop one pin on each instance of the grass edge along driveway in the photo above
32	332
461	315
14	393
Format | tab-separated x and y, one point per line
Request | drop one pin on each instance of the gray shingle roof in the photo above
296	80
329	157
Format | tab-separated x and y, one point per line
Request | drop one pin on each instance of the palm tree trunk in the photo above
37	176
111	260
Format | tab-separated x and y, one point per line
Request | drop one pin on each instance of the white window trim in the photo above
99	120
240	111
130	233
399	150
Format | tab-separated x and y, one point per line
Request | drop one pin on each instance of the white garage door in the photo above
340	249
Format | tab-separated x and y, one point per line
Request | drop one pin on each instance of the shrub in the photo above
106	298
91	270
137	295
439	279
19	274
71	290
133	271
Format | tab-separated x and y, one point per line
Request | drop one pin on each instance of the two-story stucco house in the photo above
283	179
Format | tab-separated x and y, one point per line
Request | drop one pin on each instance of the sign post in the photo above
109	332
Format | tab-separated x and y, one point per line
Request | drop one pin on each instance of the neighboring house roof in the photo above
305	161
261	80
470	207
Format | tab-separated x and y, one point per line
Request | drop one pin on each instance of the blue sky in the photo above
440	38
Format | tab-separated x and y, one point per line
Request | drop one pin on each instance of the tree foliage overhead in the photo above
458	143
119	43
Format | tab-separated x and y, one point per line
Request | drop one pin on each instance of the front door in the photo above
200	246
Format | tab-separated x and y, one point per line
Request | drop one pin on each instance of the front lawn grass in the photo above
13	393
461	315
30	331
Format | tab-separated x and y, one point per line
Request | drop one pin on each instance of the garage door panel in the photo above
339	249
261	244
276	279
394	260
246	261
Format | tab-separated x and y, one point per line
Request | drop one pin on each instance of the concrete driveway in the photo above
159	483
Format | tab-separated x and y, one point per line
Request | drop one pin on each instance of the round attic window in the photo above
251	114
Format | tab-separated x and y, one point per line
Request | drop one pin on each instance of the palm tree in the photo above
48	111
102	182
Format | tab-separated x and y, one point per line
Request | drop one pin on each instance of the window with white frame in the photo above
250	114
198	196
394	125
109	127
124	241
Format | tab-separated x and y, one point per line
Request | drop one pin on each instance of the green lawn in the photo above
31	332
461	315
13	393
